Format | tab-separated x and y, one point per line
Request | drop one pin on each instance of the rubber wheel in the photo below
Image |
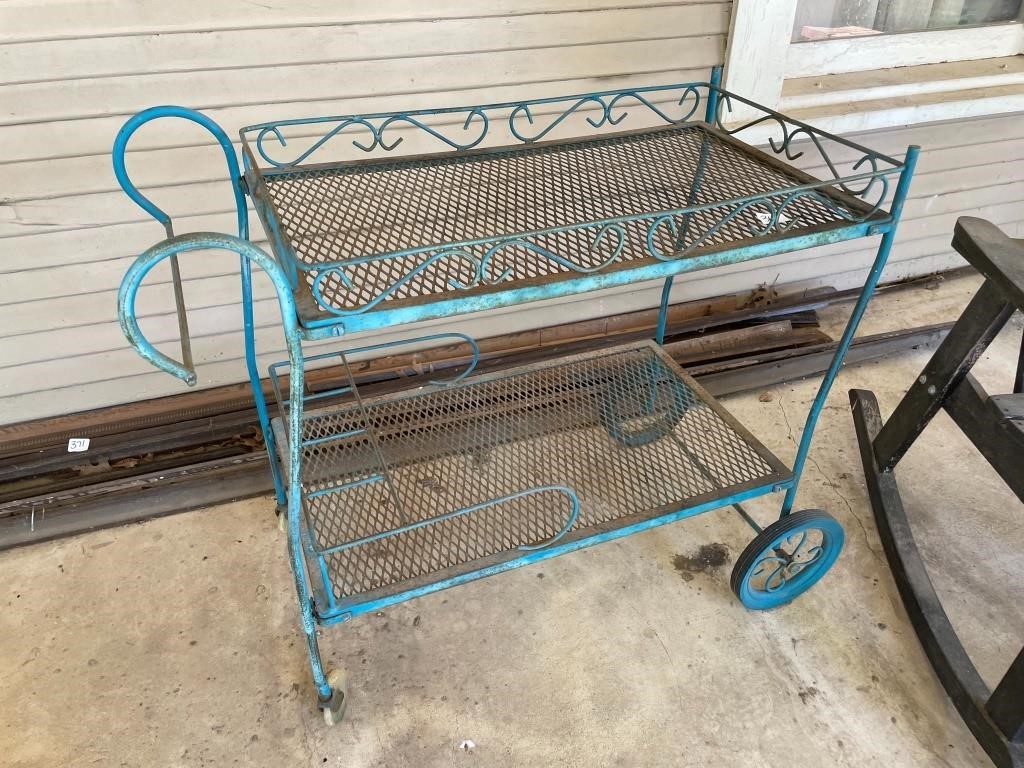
334	708
786	559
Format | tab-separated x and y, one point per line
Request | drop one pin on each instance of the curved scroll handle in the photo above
154	113
121	145
170	248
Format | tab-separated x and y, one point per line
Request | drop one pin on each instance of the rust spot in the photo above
807	693
709	557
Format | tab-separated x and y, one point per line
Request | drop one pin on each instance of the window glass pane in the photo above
826	19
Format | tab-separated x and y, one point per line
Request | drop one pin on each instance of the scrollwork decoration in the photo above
610	109
608	242
865	181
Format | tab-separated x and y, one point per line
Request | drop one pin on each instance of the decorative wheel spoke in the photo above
786	559
781	573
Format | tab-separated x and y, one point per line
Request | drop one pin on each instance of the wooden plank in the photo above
125	501
766	370
826	57
849	88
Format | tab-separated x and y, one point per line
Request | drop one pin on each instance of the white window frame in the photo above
760	59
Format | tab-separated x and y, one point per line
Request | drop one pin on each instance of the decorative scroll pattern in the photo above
759	217
866	176
666	237
775	571
520	119
472	270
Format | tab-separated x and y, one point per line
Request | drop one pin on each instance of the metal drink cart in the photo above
394	496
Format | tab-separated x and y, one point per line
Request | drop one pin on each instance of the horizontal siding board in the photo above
254	49
55	101
92	135
74	246
954	144
45	20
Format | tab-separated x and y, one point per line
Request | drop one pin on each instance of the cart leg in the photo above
330	689
851	328
257	387
698	178
666	290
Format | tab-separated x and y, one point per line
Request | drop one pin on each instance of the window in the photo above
830	19
860	64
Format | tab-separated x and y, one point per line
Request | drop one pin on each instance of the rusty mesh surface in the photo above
625	430
331	214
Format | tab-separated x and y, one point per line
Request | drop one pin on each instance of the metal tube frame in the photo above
289	490
881	257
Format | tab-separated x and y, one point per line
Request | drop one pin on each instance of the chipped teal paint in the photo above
387	318
902	188
120	147
348	610
249	253
287	273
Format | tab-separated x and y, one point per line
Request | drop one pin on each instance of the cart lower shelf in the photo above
415	491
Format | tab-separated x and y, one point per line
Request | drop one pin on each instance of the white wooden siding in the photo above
71	73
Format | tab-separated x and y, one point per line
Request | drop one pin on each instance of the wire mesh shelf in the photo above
362	235
410	489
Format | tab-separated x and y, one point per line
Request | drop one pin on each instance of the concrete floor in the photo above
176	642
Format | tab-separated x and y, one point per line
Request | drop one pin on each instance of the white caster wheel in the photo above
334	707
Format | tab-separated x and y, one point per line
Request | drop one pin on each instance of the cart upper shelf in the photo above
475	228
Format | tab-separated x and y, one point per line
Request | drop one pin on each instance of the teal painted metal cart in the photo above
395	496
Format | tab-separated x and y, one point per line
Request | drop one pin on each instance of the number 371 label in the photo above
78	444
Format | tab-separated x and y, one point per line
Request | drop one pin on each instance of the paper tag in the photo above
78	444
765	218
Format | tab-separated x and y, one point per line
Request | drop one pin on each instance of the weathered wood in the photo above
765	370
972	332
999	439
946	653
